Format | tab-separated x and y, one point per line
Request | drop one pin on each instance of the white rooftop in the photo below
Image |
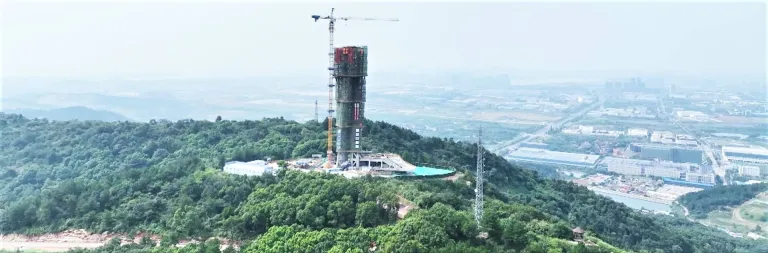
252	168
543	154
746	150
617	161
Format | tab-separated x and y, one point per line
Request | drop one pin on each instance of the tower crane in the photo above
331	26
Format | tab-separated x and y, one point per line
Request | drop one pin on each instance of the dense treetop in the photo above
701	203
164	177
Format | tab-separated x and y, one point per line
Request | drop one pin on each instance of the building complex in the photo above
745	155
534	155
686	171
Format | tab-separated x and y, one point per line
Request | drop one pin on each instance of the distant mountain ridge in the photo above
71	113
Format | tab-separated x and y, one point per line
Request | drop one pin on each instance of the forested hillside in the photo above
71	113
702	202
163	177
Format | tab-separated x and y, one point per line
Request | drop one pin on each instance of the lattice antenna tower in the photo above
479	179
317	117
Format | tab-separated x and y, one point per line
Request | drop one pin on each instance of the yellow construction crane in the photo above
331	23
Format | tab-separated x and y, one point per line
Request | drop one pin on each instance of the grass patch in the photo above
754	213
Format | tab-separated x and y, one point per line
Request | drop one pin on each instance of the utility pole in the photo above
479	179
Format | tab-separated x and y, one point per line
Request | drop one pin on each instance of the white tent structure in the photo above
252	168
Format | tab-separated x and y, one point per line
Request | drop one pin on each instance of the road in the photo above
513	144
703	145
708	150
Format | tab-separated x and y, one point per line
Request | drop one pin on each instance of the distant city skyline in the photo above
187	40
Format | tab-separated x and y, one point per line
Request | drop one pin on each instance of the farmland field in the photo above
744	218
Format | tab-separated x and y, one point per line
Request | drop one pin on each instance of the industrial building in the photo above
745	155
674	153
590	130
663	137
638	132
543	156
687	155
698	177
637	167
663	153
252	168
691	115
751	171
678	171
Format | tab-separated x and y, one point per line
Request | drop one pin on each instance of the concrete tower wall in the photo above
350	70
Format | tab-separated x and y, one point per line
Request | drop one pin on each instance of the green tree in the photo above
718	180
366	214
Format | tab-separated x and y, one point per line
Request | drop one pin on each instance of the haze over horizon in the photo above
192	40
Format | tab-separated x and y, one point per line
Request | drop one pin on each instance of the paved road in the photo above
708	150
513	144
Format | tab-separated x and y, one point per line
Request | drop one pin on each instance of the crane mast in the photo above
331	27
329	152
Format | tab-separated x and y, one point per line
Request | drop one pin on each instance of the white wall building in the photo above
663	172
663	136
745	154
626	169
707	178
586	129
691	115
252	168
570	131
641	132
752	171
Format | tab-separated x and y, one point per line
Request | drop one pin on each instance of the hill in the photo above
71	113
163	177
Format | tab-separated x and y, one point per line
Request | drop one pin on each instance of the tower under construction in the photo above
350	69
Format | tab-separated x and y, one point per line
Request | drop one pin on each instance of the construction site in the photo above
348	69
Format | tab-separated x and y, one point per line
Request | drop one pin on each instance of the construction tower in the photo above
331	56
349	70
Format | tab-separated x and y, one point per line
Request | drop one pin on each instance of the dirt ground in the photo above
72	239
54	242
47	246
454	177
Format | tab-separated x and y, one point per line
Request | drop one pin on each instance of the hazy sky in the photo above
251	39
